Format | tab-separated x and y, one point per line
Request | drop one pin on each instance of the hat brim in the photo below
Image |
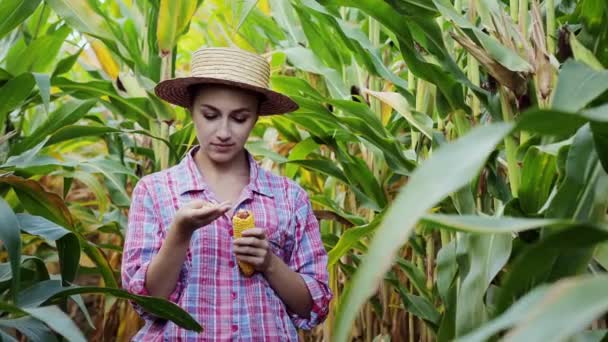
176	91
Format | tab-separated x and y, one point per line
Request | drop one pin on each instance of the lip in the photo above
222	147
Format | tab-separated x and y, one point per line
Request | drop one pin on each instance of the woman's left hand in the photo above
254	248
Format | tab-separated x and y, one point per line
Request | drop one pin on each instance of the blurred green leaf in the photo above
83	16
550	312
537	175
160	307
470	152
39	53
52	316
578	85
11	239
32	328
14	12
66	114
13	93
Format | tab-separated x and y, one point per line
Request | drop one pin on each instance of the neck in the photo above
237	166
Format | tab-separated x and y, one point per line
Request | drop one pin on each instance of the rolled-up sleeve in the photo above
309	259
143	240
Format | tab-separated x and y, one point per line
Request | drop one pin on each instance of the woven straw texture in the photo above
227	66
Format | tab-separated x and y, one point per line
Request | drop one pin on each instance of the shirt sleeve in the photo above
309	259
143	240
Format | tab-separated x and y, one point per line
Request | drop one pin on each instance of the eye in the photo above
240	119
209	116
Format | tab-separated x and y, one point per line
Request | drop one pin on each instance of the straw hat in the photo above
227	66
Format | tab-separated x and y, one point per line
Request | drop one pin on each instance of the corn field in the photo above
455	152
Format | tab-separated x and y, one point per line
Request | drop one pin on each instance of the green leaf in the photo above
578	85
550	312
7	337
306	60
537	175
132	108
326	167
14	12
241	10
599	335
13	93
600	139
68	246
583	55
44	86
402	27
39	202
69	132
359	119
416	276
370	56
425	188
488	224
111	171
11	239
83	16
39	54
400	104
601	255
283	14
57	320
66	64
534	264
52	316
585	180
32	328
300	151
295	86
485	256
173	19
67	114
349	239
414	7
416	305
159	307
447	267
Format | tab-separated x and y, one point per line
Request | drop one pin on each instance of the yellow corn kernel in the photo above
242	221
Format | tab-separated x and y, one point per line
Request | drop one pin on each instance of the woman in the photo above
179	242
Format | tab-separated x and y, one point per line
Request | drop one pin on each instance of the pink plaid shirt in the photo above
230	307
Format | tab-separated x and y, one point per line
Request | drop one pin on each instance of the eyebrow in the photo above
238	110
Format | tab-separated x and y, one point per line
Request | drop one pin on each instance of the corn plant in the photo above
454	151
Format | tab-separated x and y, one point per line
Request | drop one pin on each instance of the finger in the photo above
195	204
255	232
250	241
253	260
213	210
248	250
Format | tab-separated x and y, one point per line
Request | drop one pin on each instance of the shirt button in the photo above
231	263
233	295
235	328
230	232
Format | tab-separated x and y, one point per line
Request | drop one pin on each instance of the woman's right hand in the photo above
197	214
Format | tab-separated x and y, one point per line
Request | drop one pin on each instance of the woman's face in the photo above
223	117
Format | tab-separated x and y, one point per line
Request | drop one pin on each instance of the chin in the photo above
219	157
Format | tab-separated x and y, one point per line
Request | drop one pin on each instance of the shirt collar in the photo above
190	179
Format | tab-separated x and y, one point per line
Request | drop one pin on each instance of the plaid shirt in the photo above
210	286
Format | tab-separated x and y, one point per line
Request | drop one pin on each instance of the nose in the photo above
223	131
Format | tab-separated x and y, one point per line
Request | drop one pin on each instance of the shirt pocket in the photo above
266	217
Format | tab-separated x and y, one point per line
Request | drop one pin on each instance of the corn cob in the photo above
242	221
